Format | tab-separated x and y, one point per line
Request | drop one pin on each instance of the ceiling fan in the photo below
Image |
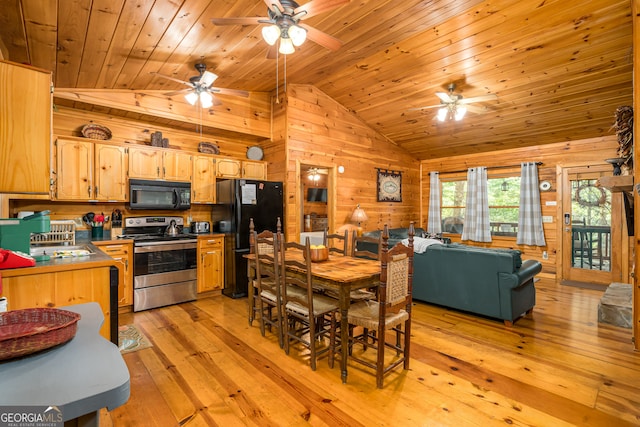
200	87
454	106
284	18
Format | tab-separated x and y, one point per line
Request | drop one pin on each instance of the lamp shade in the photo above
206	99
286	46
461	110
270	34
298	35
442	114
191	98
359	215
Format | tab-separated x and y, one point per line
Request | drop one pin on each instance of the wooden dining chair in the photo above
310	317
391	312
366	246
269	282
253	283
336	242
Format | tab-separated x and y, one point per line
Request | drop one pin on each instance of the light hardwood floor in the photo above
558	367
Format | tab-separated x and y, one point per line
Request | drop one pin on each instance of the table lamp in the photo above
359	216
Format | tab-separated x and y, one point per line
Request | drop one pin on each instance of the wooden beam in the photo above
250	115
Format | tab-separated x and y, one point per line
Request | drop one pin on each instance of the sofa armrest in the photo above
528	269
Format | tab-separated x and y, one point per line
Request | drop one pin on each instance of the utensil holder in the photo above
97	232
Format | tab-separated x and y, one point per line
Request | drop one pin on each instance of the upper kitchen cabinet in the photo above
153	163
254	170
25	129
90	171
229	168
203	186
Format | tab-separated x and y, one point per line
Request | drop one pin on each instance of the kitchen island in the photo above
66	281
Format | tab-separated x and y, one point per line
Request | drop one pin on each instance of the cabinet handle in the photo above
89	191
158	171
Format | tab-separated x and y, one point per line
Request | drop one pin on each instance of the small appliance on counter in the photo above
198	227
15	233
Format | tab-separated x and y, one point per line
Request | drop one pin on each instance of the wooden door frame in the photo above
299	196
619	270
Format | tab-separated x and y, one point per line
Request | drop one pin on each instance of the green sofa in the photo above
489	282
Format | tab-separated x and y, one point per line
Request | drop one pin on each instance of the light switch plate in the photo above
547	218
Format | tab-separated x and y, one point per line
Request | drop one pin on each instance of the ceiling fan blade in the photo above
481	98
239	21
323	39
315	7
426	107
227	91
444	97
475	109
177	92
207	78
274	6
272	51
171	78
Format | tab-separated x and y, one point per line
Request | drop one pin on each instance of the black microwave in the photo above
166	195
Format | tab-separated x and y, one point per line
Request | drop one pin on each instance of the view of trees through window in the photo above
504	199
590	205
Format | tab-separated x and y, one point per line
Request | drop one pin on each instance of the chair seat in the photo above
321	305
365	314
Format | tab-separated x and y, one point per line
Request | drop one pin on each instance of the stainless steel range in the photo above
164	266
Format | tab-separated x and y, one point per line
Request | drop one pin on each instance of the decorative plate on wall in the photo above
255	153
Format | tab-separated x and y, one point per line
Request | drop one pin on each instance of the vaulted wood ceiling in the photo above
559	69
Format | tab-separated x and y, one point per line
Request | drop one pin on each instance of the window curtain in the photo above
434	224
476	218
530	231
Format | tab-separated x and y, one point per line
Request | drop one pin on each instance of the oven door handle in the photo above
163	246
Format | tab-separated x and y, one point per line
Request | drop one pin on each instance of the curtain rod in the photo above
494	167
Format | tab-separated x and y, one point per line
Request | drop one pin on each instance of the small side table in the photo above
79	377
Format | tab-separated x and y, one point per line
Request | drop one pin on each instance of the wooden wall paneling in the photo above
635	248
554	157
245	115
320	131
41	20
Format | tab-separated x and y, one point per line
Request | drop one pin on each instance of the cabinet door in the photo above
145	163
210	264
25	129
123	254
254	170
110	173
203	187
74	170
228	168
177	166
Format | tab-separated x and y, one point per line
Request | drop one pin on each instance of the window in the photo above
504	199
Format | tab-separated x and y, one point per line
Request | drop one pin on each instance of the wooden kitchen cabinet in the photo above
123	254
229	168
154	163
25	124
90	171
203	185
210	263
254	170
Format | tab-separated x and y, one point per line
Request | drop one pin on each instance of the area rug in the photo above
131	339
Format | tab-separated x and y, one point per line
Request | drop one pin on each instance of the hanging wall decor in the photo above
389	186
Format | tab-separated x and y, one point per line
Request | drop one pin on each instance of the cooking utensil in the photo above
172	229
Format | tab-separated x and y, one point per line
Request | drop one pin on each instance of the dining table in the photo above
340	274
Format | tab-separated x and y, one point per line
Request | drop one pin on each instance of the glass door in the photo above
588	213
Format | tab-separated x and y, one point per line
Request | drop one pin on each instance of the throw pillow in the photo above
421	244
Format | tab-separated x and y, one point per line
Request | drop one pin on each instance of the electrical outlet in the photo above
545	255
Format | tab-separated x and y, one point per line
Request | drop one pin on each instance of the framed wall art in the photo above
389	186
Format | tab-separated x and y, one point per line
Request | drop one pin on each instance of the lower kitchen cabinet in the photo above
210	263
123	254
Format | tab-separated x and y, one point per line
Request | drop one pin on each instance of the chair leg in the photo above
380	359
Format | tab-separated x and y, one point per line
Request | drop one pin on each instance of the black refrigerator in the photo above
238	200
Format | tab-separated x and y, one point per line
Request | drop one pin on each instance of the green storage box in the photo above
15	234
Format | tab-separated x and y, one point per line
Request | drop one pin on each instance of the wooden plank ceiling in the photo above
559	69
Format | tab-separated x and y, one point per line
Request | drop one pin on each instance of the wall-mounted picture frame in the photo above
389	186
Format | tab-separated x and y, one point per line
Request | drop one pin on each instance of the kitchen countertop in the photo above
98	259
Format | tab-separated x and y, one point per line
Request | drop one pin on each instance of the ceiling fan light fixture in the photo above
460	111
286	46
270	34
297	34
206	99
443	112
191	98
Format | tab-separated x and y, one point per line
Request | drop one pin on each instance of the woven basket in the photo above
94	131
31	330
208	148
